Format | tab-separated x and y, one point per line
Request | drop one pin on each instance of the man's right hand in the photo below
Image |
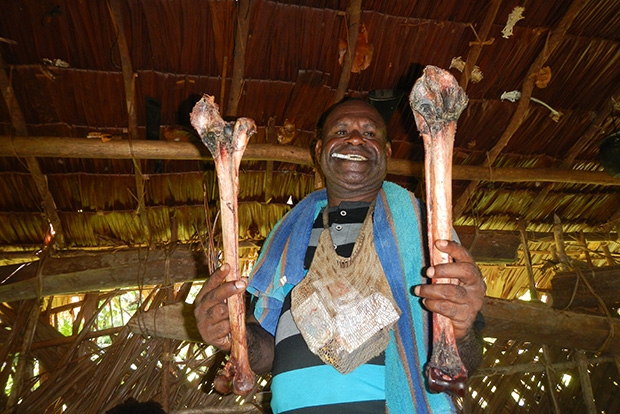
211	310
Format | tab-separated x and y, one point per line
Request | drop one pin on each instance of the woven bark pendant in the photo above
344	307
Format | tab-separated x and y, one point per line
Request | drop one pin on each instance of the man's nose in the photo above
355	138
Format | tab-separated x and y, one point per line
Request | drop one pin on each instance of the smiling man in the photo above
335	320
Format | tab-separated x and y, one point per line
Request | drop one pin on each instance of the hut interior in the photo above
109	202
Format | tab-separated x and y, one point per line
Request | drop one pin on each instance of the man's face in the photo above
354	151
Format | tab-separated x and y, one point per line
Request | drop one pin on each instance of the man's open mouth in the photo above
349	157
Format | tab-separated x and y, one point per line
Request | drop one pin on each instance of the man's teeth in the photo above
349	157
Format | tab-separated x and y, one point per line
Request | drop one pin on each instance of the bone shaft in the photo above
438	167
438	164
228	179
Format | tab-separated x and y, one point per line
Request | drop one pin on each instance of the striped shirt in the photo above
302	382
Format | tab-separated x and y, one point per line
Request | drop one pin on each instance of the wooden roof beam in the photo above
469	235
84	271
538	323
555	38
165	150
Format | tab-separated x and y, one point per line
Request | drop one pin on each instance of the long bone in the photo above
227	142
437	100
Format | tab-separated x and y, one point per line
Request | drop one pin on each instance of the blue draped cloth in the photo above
399	244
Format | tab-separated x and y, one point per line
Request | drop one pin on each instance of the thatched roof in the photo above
95	139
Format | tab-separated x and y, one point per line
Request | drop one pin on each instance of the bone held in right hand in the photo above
437	101
227	142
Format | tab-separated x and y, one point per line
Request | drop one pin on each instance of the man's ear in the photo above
318	147
388	149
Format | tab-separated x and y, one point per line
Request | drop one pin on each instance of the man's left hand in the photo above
458	302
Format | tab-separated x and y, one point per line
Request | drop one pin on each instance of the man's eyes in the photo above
343	132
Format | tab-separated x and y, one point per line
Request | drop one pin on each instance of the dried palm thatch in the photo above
83	374
78	375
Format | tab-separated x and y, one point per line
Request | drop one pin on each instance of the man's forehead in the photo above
355	109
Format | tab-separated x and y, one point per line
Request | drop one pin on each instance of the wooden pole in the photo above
268	177
167	348
238	67
586	384
551	380
559	243
70	339
608	256
476	48
19	124
516	320
564	264
352	23
528	261
65	147
536	367
23	357
132	119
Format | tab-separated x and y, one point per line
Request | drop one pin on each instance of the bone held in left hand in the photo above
437	100
227	141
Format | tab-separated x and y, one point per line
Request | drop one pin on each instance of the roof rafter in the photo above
116	15
553	41
19	124
352	21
